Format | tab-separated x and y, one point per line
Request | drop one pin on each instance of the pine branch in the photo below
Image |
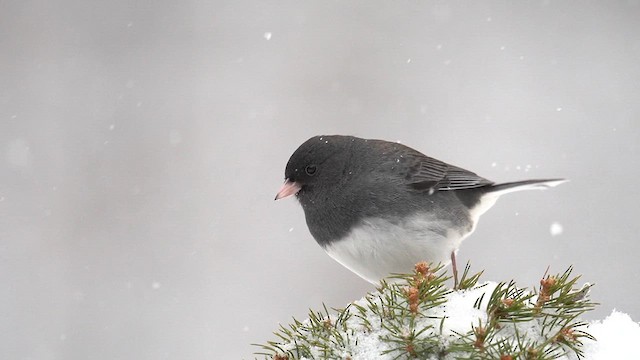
410	317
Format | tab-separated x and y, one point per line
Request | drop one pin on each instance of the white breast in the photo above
378	248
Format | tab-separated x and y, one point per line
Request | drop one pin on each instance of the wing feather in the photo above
433	174
425	173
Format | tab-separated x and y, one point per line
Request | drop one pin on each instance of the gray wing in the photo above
427	173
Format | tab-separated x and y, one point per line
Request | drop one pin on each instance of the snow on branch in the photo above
418	316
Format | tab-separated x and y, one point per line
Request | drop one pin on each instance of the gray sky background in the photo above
142	143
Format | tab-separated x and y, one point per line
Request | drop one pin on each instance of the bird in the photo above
379	207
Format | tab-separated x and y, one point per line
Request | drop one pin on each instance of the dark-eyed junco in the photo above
380	207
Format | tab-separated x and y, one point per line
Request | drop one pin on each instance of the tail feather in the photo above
541	184
493	192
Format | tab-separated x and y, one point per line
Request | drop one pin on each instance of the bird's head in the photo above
320	163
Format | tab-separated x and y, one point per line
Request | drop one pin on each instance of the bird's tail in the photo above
493	192
501	189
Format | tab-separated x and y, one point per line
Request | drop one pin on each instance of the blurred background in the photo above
142	144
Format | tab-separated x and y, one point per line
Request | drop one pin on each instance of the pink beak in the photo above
289	188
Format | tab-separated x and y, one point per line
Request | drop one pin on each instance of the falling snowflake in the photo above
556	229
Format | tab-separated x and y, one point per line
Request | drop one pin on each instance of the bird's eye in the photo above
311	170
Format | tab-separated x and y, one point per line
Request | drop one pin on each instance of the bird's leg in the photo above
455	270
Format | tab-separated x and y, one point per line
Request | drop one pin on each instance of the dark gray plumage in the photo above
379	207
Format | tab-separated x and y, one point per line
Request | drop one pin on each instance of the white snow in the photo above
267	35
556	229
617	335
617	338
460	311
